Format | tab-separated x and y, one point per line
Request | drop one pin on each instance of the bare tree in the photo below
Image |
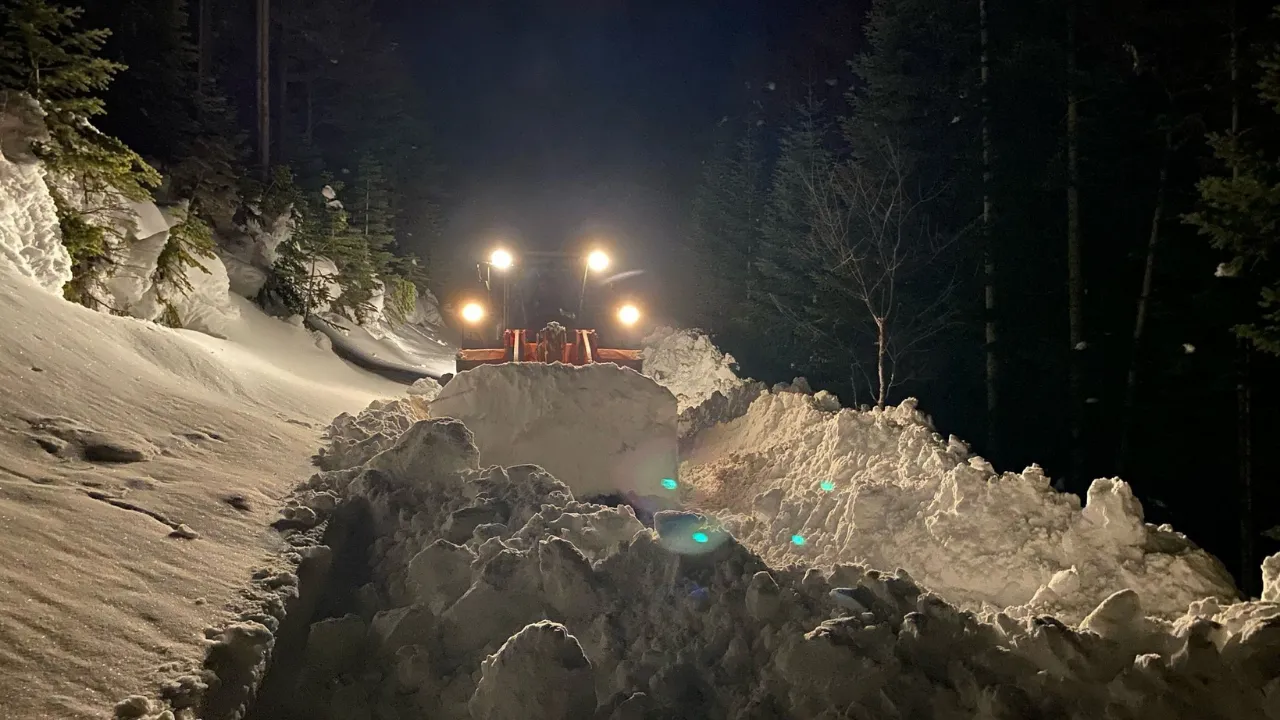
882	275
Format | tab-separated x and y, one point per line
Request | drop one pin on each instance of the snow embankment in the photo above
800	483
492	593
797	479
407	348
600	428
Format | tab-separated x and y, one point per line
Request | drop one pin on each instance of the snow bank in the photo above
30	240
798	482
688	364
493	594
601	428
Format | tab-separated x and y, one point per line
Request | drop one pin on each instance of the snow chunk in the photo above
540	673
1271	578
599	428
30	239
689	365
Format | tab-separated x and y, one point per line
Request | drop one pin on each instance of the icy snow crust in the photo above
897	495
601	428
493	594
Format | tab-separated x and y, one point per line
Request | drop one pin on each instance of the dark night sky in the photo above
567	118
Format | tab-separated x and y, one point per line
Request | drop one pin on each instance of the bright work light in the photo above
473	312
598	261
629	315
501	259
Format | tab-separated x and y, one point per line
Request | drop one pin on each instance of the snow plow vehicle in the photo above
550	344
555	398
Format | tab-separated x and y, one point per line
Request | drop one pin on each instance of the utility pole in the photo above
264	88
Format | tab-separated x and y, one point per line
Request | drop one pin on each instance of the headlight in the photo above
628	315
473	312
501	259
598	261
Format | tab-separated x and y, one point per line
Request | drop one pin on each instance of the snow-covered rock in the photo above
599	428
205	307
30	240
797	482
688	364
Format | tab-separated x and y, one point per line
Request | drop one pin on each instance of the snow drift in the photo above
601	428
493	594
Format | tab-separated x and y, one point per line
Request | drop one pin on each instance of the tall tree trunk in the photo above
206	43
1144	297
1249	580
282	103
882	348
310	86
264	89
988	252
1075	270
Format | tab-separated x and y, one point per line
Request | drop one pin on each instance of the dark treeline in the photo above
1053	221
171	88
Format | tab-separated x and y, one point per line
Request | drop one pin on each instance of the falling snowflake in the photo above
1082	345
1188	348
1226	270
328	193
770	86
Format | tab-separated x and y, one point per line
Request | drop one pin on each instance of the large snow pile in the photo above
601	428
492	594
799	482
30	240
688	364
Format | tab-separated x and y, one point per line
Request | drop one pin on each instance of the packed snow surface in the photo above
601	428
139	467
493	594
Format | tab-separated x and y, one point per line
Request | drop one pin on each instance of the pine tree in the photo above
787	263
725	224
1240	212
43	54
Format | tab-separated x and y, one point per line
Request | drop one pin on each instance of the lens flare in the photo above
797	540
669	483
700	537
827	486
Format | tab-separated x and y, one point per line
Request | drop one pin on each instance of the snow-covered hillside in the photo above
139	468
